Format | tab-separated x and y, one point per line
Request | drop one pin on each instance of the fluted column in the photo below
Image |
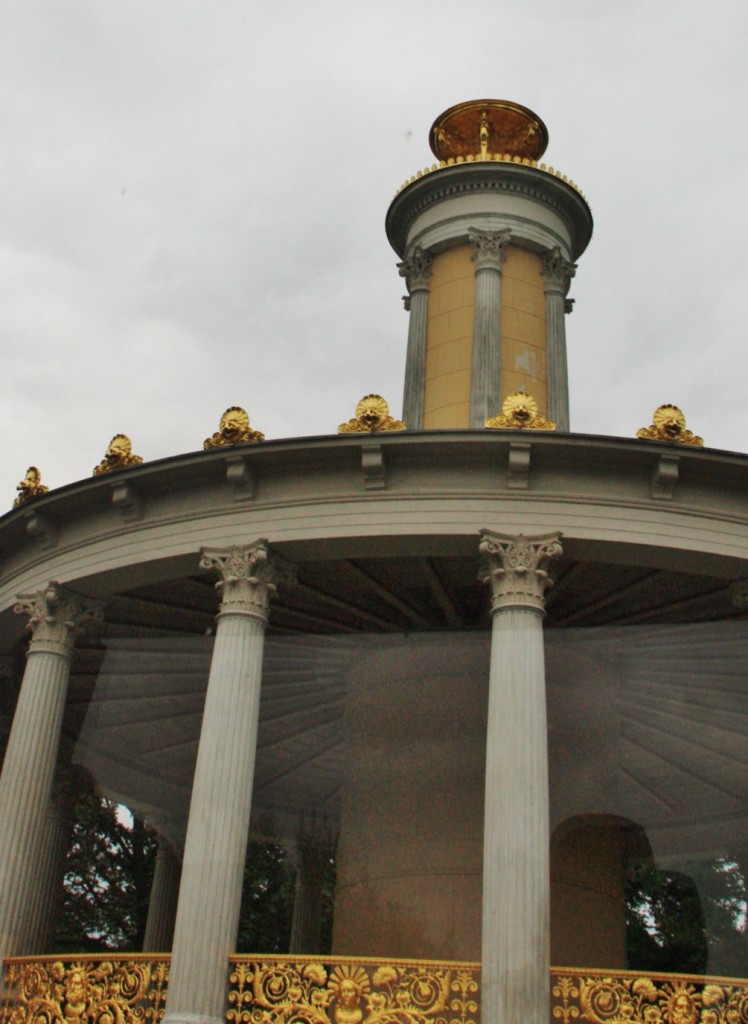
313	850
516	882
489	253
557	272
416	270
216	843
27	842
45	904
162	904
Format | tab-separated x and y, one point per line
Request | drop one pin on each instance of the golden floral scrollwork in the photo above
234	428
276	990
30	487
372	414
118	455
85	990
520	412
597	997
669	424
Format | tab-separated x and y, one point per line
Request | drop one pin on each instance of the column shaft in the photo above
485	381
162	905
557	273
415	362
558	373
516	880
25	790
416	269
516	877
306	922
216	843
26	839
46	898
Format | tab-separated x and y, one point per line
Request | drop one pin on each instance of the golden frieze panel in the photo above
90	989
279	990
85	990
626	997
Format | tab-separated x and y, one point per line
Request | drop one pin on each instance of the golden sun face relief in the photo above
669	424
519	411
233	428
372	414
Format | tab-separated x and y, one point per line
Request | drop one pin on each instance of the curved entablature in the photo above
501	158
647	504
509	191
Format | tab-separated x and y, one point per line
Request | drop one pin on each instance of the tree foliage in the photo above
268	897
267	901
107	879
690	921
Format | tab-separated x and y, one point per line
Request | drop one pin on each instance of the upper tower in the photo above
488	239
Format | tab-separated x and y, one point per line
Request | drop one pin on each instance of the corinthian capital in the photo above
557	272
416	269
489	247
56	616
249	577
517	568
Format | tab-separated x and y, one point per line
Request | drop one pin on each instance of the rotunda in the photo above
492	671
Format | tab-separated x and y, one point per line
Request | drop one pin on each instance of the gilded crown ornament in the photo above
520	412
479	128
669	424
234	428
372	414
118	455
30	487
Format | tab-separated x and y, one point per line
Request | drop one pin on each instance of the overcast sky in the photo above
193	200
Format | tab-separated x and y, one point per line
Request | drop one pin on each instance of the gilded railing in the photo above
630	997
85	989
314	990
131	989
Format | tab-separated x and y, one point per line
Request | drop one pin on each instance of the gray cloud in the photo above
193	196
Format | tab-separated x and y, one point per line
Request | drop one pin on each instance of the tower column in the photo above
29	848
489	253
516	882
416	270
216	842
162	904
557	273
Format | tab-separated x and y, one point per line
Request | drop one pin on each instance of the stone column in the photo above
489	253
516	882
216	843
46	902
557	273
416	270
313	852
162	904
26	838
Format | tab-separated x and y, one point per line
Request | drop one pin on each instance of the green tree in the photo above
267	900
268	897
107	880
687	921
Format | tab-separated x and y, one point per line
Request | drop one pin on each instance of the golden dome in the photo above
479	127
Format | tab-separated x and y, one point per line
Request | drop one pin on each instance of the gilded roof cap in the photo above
478	127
